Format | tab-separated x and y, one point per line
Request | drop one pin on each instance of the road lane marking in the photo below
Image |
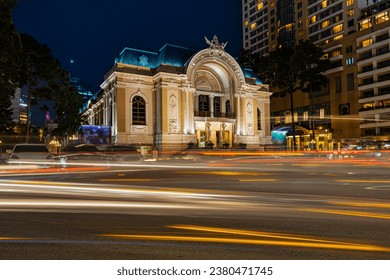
349	213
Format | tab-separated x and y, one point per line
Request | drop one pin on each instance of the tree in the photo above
289	70
26	62
68	104
246	58
41	72
10	48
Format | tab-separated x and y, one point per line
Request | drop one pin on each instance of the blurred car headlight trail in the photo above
102	190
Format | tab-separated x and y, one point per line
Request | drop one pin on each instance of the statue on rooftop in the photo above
215	44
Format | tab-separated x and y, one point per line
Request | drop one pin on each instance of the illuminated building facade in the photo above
373	51
334	114
175	97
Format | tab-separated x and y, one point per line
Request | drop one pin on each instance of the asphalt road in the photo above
241	207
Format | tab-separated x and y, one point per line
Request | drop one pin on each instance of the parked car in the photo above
25	153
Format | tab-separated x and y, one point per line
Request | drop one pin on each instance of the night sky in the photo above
87	35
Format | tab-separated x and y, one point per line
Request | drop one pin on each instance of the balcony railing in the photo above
216	114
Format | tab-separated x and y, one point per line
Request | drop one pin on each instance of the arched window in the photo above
139	111
258	119
228	108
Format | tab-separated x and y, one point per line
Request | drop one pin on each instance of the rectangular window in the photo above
336	53
296	117
382	50
367	68
325	23
383	91
322	113
350	81
338	84
349	61
382	37
350	12
382	17
367	42
366	55
365	24
337	28
312	19
305	116
368	81
287	118
350	2
383	64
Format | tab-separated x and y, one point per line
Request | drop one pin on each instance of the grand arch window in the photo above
139	111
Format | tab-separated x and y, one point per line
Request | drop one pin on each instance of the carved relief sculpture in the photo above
172	126
172	103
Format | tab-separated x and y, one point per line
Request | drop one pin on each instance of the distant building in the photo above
19	106
177	96
82	87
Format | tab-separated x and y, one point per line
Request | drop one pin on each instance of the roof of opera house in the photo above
171	55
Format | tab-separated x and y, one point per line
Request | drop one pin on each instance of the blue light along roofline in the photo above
175	46
248	73
174	55
137	50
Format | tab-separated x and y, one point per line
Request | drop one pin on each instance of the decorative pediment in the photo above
206	81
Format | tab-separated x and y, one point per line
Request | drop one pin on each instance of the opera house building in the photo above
177	98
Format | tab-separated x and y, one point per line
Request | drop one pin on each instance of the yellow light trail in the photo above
290	240
225	173
126	180
253	233
361	204
13	238
363	181
349	213
258	180
306	164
